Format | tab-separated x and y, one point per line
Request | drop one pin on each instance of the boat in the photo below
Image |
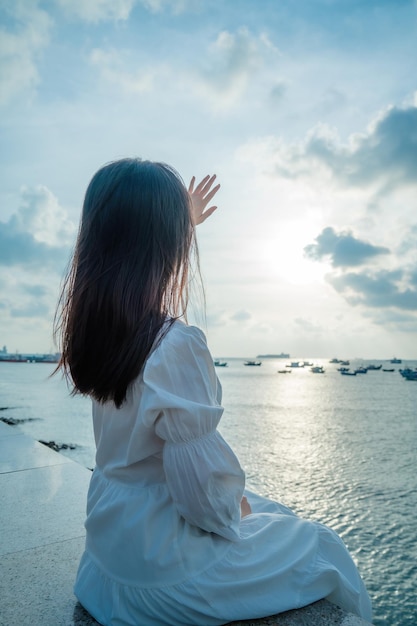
220	363
317	369
388	369
282	355
373	367
344	362
307	364
334	361
361	370
342	369
409	374
296	364
395	360
253	363
284	371
346	372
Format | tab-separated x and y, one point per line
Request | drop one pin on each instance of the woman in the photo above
173	538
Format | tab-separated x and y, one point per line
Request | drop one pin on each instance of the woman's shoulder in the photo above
181	353
178	342
180	333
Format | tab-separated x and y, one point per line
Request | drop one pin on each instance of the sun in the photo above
284	257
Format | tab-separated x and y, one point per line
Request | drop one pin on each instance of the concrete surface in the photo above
42	510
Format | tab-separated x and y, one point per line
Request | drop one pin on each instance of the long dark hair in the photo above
128	279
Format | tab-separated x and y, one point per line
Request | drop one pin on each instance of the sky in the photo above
306	110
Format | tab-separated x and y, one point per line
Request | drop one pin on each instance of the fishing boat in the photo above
361	370
395	360
317	369
253	363
373	367
409	374
346	372
220	363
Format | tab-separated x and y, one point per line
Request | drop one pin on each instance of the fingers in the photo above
191	185
212	193
204	186
207	214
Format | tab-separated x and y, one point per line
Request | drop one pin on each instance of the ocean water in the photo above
337	449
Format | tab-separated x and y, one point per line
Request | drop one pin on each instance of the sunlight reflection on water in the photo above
340	450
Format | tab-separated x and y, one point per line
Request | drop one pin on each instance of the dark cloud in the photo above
22	249
37	235
386	154
343	248
385	289
394	319
388	150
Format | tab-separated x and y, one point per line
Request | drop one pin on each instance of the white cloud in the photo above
112	66
232	62
119	10
41	214
97	10
38	235
20	47
175	6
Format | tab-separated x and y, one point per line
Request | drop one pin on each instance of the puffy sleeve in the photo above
203	474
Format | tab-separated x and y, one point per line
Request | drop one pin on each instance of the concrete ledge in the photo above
42	510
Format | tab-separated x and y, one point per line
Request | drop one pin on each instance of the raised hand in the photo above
200	198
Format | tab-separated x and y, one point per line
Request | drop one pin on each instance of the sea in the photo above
341	450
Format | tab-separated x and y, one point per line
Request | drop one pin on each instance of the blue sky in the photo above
305	110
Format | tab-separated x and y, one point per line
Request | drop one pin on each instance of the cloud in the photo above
385	154
385	289
308	326
97	10
21	45
388	149
277	93
409	243
233	60
33	309
241	316
38	234
37	291
175	6
112	66
343	248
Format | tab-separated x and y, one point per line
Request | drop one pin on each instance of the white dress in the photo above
165	543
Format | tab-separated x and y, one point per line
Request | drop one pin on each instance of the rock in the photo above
58	446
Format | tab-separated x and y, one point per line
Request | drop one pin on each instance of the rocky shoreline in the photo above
54	445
